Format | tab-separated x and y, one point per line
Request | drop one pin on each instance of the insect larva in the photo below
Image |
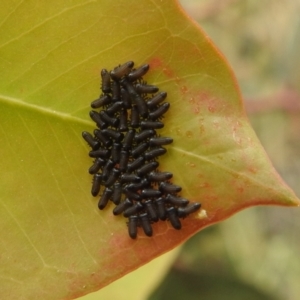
123	120
135	164
169	188
122	206
96	166
114	134
128	139
96	184
160	141
183	212
102	101
102	138
132	226
117	106
178	201
107	119
159	176
141	105
105	85
138	186
134	118
154	153
105	198
116	91
138	73
136	98
151	166
131	194
112	178
132	210
116	152
151	125
117	193
107	169
143	135
156	114
118	72
96	118
125	98
94	144
129	178
150	193
146	89
154	101
138	150
151	210
173	218
161	208
104	153
146	224
124	157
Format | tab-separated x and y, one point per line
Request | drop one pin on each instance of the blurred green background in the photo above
254	254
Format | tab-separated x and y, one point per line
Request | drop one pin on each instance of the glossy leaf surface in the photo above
55	244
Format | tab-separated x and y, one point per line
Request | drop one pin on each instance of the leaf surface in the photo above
55	244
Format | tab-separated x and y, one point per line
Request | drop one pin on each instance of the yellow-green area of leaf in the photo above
55	243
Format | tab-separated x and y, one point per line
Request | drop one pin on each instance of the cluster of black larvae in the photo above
126	148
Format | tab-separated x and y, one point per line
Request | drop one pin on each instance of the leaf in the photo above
55	244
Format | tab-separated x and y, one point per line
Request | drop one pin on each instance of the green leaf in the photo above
55	244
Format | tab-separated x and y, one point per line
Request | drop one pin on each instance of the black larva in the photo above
154	153
150	208
146	89
129	178
93	143
156	114
107	193
102	138
169	188
116	152
160	141
128	139
118	72
138	73
150	193
145	169
117	193
105	85
114	175
103	100
159	176
96	118
157	99
116	91
103	153
123	120
146	224
124	157
96	184
122	206
173	218
132	210
139	149
143	135
132	226
134	118
135	164
152	125
126	148
96	166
